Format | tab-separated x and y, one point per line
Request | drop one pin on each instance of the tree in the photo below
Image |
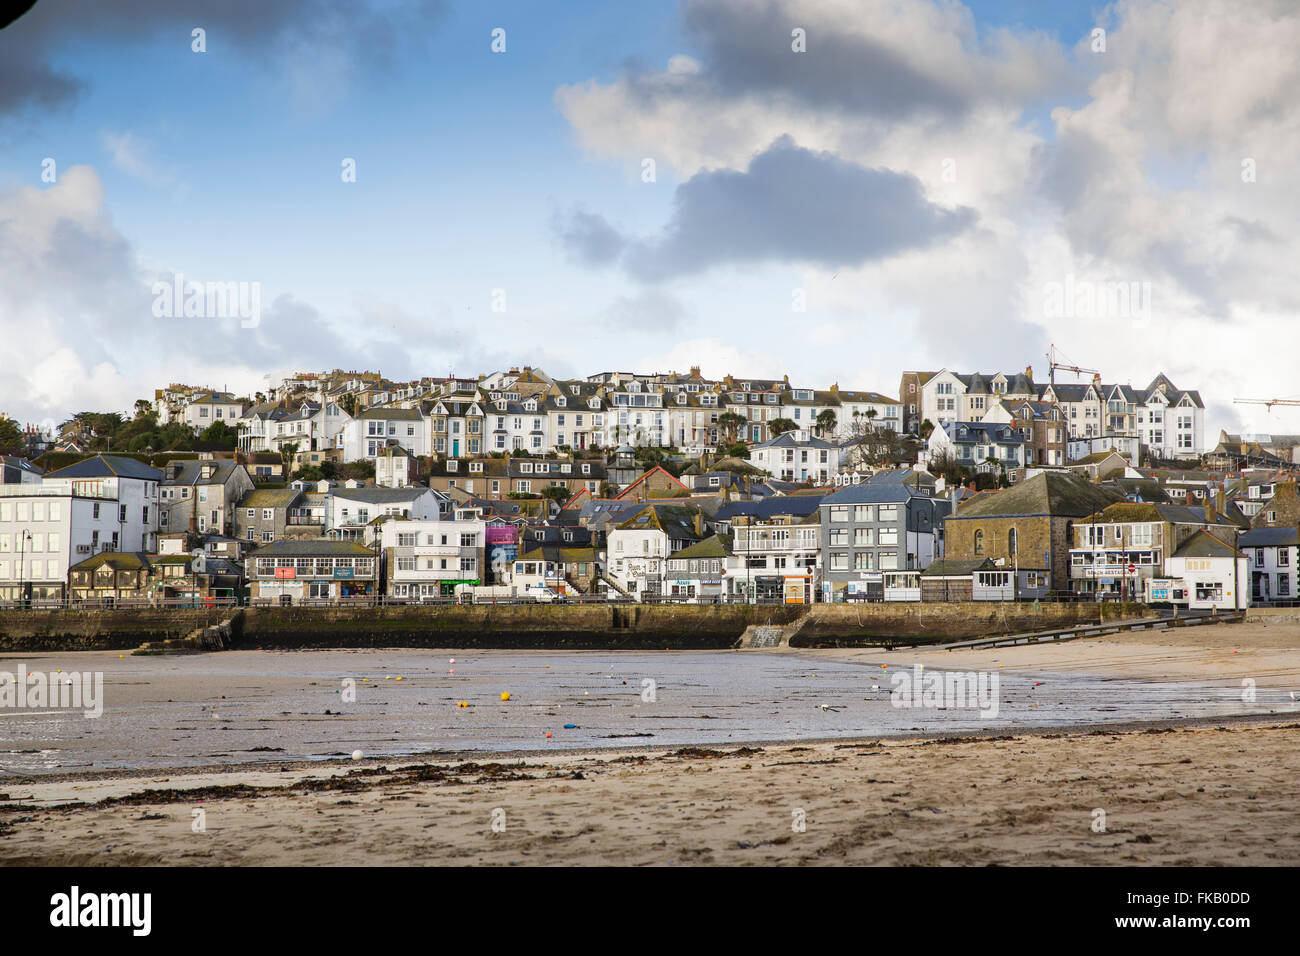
142	407
287	451
944	465
731	423
873	446
219	433
11	436
926	428
826	421
557	492
779	426
739	450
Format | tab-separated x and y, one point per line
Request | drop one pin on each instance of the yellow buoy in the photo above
505	695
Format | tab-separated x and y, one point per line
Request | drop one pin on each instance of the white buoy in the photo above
356	755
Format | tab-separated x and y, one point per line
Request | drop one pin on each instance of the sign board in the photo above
794	590
286	572
344	573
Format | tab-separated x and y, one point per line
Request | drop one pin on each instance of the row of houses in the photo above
203	528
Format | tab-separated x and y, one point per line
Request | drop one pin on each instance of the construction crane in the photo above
1053	365
1269	402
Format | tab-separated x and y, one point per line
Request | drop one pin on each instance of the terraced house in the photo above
1116	551
202	495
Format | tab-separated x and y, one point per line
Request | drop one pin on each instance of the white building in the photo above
797	456
364	436
349	511
1216	575
106	503
426	560
1274	557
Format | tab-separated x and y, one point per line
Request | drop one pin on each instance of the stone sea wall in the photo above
515	626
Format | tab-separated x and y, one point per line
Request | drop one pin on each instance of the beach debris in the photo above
548	733
570	726
356	755
452	661
829	707
452	671
505	695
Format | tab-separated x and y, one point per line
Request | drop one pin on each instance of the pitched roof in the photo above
287	549
1270	537
1054	493
1205	545
714	546
108	466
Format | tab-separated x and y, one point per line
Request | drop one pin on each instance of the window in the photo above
979	542
863	513
863	561
839	513
839	561
862	537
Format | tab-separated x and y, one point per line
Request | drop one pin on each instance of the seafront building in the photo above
657	486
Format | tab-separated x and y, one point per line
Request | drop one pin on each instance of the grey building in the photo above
201	495
267	515
885	524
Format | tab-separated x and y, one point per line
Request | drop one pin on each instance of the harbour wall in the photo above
521	626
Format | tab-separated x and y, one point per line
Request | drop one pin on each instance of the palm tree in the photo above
731	423
779	426
826	421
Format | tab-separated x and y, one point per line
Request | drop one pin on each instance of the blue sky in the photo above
473	168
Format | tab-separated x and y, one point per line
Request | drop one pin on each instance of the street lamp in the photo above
23	537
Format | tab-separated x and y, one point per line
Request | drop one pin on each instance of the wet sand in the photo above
1189	796
1208	794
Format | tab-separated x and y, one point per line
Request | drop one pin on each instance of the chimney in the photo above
1284	489
699	524
1096	379
1211	513
1029	372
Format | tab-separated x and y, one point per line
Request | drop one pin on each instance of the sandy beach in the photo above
1209	793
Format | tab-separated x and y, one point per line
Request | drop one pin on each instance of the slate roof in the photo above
1205	545
714	546
311	548
269	498
1058	494
1270	537
108	466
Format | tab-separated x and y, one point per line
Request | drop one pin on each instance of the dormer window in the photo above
561	401
476	466
452	465
681	398
565	469
526	467
575	389
594	403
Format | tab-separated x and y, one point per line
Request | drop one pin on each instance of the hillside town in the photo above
348	487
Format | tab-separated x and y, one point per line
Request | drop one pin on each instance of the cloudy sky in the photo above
837	190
